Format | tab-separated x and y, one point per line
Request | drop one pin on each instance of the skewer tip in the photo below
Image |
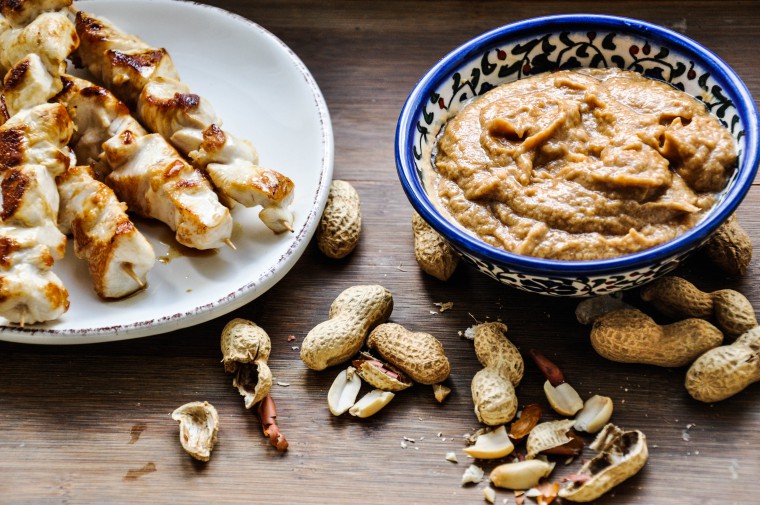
127	267
230	244
23	311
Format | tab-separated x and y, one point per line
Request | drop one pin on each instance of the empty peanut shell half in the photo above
380	375
621	455
547	436
198	426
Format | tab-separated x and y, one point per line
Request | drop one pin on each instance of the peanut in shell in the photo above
419	355
341	223
494	350
352	315
494	397
630	336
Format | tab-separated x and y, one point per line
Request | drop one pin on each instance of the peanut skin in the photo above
352	315
419	355
678	298
630	336
724	371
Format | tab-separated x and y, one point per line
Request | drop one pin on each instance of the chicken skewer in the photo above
118	255
32	153
144	170
146	79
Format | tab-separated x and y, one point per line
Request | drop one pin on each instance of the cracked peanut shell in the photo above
198	427
621	455
245	352
380	375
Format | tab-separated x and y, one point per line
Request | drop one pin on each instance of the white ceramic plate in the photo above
264	93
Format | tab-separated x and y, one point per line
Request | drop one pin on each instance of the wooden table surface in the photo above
91	424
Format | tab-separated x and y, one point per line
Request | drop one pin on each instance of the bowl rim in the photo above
683	45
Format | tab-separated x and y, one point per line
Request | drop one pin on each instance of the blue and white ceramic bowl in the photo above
563	42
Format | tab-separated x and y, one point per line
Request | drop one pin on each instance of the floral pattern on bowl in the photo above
559	43
566	51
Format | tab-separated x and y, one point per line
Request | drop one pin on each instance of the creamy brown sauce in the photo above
582	165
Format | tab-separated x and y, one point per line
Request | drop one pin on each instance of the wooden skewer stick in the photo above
127	267
23	309
230	244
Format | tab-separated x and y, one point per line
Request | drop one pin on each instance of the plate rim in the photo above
243	294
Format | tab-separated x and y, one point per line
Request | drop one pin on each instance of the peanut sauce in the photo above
581	165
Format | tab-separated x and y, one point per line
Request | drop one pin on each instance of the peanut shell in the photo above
494	397
380	375
418	355
243	341
352	315
198	427
548	435
730	247
678	298
434	255
725	371
621	455
494	350
340	227
245	352
630	336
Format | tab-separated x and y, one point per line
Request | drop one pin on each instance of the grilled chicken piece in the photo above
28	84
22	12
32	153
124	62
143	169
51	36
118	255
166	106
29	291
145	77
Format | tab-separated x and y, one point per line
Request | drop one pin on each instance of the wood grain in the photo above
91	424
